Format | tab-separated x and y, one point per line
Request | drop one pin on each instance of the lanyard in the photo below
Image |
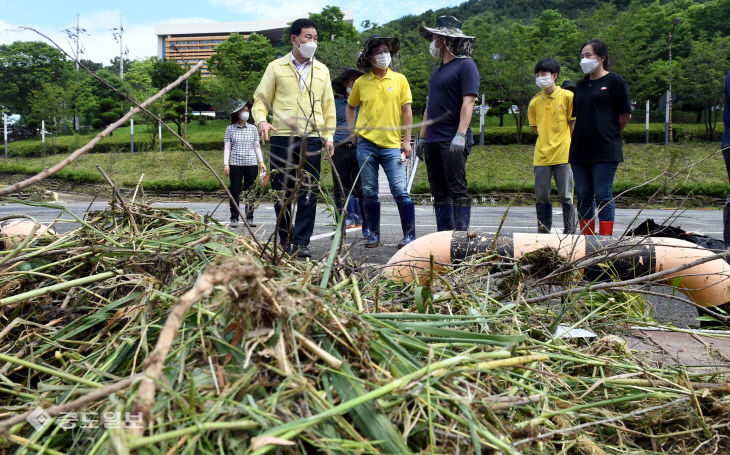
302	74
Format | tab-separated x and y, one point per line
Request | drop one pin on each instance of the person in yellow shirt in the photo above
296	88
384	97
551	117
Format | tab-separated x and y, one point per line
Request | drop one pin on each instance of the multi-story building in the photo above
188	43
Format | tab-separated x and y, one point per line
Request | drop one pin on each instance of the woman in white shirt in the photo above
242	156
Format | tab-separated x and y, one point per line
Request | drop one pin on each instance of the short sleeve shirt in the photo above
341	109
448	85
597	105
242	139
551	115
380	102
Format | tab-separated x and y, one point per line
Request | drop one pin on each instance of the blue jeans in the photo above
370	156
593	187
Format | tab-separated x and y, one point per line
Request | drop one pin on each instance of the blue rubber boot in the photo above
407	213
349	219
462	217
372	217
444	217
363	219
356	212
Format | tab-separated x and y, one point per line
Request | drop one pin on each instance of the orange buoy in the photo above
707	284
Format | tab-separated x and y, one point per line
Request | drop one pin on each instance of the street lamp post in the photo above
668	136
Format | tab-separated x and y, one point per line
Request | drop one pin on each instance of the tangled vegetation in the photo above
210	343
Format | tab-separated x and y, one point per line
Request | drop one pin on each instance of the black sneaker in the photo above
304	252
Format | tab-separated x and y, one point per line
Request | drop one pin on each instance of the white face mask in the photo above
382	60
588	65
348	90
244	116
307	49
434	51
544	81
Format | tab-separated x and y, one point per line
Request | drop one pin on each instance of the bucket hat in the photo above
376	40
345	75
445	26
237	105
459	44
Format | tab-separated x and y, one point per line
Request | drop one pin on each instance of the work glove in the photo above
419	147
458	143
263	177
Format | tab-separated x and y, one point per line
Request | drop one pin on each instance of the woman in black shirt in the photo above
602	109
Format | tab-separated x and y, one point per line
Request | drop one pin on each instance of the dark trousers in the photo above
726	207
347	167
246	175
286	158
447	174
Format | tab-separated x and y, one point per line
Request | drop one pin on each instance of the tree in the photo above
164	73
702	77
47	103
331	25
506	60
239	63
91	65
24	67
138	78
114	65
109	112
338	54
80	97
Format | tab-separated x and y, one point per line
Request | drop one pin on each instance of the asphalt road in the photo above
484	218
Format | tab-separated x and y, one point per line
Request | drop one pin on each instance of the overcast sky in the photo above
139	18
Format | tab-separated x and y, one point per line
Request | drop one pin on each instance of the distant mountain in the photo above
515	9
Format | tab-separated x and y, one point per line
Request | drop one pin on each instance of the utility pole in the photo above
77	43
668	136
118	34
74	33
121	53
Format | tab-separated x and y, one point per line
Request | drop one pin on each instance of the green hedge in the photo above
210	139
183	185
632	134
68	174
28	149
682	189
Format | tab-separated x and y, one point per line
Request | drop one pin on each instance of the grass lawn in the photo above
696	167
680	168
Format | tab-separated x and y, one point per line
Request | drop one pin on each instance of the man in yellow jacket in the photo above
296	89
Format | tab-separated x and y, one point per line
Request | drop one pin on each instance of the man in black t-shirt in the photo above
452	91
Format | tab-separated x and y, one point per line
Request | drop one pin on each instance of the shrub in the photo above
183	185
